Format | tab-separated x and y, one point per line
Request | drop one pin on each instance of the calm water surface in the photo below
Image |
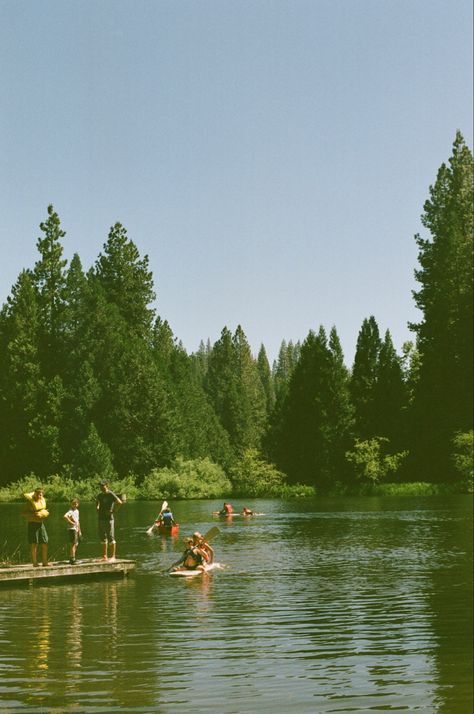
359	605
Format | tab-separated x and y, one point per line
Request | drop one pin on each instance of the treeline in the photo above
93	381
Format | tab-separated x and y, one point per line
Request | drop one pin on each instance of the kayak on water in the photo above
191	573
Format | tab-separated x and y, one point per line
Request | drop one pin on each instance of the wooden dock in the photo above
63	570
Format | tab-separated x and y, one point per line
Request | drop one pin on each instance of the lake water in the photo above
324	605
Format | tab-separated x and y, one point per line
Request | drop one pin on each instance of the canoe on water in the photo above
192	573
168	530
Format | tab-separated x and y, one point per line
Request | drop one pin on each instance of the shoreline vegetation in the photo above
61	490
94	384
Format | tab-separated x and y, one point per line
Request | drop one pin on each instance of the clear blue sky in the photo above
271	157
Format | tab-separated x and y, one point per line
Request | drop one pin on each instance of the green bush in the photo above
63	488
463	459
253	477
417	488
194	478
371	462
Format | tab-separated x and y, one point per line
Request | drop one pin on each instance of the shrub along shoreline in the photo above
204	480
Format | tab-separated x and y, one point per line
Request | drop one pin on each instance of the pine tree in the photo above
251	404
283	367
311	428
221	383
133	414
93	457
364	378
266	380
49	277
20	379
444	395
390	396
126	280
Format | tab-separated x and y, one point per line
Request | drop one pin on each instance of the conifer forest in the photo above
94	382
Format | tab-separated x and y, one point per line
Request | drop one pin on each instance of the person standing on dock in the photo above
73	528
106	503
36	514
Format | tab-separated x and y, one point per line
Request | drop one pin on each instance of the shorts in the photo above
73	536
106	531
37	533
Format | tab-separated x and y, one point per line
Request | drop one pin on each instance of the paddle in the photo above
149	531
211	533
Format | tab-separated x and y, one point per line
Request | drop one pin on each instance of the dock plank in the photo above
64	570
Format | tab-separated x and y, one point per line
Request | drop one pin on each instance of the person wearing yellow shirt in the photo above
36	514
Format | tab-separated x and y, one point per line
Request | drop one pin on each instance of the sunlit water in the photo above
353	605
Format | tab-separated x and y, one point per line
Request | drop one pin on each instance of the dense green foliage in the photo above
94	383
443	399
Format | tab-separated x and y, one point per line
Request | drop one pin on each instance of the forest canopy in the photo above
94	382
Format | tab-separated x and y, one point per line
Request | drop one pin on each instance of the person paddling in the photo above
166	518
193	558
198	540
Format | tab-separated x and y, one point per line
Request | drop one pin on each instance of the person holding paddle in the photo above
193	558
199	540
160	520
166	517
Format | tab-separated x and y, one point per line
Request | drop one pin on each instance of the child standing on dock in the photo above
73	528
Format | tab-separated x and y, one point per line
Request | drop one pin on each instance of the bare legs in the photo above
112	551
44	553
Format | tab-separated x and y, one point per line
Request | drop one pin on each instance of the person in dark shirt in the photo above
106	503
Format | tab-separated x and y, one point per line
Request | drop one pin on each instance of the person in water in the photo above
226	510
36	514
247	511
193	558
198	540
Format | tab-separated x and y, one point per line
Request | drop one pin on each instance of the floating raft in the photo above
63	570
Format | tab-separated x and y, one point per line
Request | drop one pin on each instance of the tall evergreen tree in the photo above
126	280
133	414
444	394
364	378
235	390
20	379
49	276
251	404
266	380
283	367
221	384
310	429
390	396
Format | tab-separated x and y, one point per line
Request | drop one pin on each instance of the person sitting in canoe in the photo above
198	540
167	518
247	511
193	558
